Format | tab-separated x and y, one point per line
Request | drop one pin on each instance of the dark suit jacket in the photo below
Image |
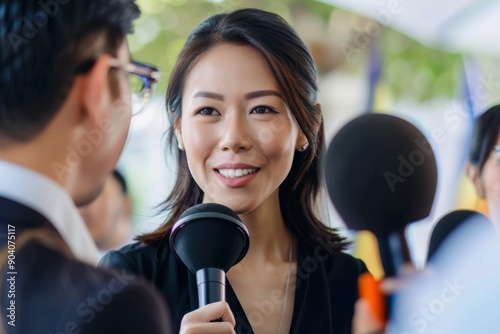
326	286
52	293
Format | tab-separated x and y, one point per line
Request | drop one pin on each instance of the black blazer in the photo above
52	293
324	298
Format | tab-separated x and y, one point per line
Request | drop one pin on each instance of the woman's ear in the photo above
302	141
474	175
178	134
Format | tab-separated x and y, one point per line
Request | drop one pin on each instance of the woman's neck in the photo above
269	238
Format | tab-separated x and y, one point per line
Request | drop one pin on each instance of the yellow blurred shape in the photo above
366	249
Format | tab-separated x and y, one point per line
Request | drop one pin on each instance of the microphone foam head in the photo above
209	235
381	173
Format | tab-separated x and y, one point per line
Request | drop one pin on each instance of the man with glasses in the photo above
67	92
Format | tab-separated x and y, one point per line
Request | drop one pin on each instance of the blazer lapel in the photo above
21	217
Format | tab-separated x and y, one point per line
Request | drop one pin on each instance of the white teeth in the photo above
233	173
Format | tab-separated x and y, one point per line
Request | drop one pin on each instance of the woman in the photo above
242	99
483	168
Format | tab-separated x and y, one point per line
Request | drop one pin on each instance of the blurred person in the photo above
454	221
483	167
458	291
248	132
108	216
65	111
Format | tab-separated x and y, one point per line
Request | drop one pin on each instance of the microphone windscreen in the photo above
452	222
381	173
209	235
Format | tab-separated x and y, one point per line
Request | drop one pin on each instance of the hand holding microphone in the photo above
201	320
209	239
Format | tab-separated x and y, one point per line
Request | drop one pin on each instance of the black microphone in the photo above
209	239
456	221
381	175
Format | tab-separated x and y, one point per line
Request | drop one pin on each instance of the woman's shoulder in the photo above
344	261
137	257
335	263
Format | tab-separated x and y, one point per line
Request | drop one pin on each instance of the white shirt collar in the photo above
51	200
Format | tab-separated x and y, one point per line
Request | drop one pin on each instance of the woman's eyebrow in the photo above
261	93
249	96
209	95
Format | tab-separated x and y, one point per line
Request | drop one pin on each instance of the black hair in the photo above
485	136
42	43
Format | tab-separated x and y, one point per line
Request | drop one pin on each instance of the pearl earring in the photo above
303	148
180	146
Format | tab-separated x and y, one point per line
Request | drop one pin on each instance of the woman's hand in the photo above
200	320
364	321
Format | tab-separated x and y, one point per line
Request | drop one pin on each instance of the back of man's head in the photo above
44	44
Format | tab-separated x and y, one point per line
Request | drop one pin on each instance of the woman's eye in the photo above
263	110
207	112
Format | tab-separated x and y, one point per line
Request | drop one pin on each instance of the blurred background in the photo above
434	63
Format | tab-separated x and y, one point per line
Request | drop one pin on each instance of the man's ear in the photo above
96	94
473	174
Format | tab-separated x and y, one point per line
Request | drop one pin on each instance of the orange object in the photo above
369	290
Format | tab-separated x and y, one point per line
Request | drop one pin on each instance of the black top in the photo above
326	286
44	291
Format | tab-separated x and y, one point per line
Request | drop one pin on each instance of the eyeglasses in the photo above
141	80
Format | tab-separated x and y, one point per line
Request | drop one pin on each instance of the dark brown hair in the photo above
295	71
484	137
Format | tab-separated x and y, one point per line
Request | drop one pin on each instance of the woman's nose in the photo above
236	136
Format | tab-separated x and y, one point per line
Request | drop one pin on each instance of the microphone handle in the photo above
211	285
394	252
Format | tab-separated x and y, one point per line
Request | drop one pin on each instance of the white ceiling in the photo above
467	26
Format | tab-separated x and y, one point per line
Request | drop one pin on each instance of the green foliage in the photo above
412	69
409	68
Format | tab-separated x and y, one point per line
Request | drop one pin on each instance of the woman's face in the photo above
239	135
490	179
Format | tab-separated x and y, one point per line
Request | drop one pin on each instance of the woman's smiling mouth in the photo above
233	173
236	175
